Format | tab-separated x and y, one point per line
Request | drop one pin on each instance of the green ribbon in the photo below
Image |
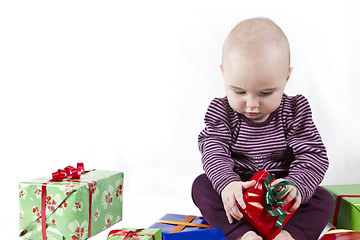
271	195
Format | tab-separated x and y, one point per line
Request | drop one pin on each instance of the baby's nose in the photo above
252	103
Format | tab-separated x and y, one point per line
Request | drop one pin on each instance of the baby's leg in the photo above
211	207
311	218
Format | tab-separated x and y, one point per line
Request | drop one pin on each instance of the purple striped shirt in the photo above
287	144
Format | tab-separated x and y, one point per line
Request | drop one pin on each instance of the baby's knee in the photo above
325	197
326	202
200	187
199	183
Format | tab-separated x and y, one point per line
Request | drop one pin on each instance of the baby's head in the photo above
256	67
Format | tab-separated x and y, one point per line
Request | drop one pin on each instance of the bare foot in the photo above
284	235
251	235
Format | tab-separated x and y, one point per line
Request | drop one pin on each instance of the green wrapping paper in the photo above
347	206
133	233
74	208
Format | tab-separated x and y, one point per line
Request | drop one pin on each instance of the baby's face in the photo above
254	85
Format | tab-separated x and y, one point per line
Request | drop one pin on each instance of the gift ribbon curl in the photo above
129	234
271	198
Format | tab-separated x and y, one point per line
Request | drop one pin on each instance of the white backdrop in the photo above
124	85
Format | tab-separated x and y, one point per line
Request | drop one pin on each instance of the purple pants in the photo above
306	224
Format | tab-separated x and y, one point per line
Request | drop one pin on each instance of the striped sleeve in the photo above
214	144
311	162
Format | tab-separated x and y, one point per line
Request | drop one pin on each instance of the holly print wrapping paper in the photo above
135	234
75	208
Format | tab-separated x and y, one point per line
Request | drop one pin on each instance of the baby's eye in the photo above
240	92
265	93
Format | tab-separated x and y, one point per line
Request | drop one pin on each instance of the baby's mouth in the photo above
253	114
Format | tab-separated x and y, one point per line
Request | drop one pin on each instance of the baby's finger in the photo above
289	195
248	184
235	213
229	217
295	205
232	209
239	195
276	181
240	200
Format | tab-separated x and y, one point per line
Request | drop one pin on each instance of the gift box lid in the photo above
199	229
92	175
345	189
167	228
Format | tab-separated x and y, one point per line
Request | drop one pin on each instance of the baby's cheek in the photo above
236	106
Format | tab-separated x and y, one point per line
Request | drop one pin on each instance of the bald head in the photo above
258	39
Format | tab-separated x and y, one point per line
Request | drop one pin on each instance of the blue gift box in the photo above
194	229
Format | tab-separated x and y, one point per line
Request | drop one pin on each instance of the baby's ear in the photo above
288	76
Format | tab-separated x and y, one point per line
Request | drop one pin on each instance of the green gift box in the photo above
133	233
70	207
347	206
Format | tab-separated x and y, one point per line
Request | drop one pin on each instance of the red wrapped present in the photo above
341	234
263	210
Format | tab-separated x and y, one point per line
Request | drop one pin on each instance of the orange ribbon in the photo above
187	222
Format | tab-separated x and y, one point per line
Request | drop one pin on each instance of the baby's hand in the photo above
233	194
289	195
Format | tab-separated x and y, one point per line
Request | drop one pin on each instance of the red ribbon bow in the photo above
68	172
129	234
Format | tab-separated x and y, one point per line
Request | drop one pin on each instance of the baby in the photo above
256	127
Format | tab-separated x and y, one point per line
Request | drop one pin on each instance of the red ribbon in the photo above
337	206
68	172
129	234
71	173
43	210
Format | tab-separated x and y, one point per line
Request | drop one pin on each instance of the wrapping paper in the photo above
255	212
71	208
135	234
347	206
179	227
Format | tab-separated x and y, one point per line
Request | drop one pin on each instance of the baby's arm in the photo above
311	162
233	194
215	143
